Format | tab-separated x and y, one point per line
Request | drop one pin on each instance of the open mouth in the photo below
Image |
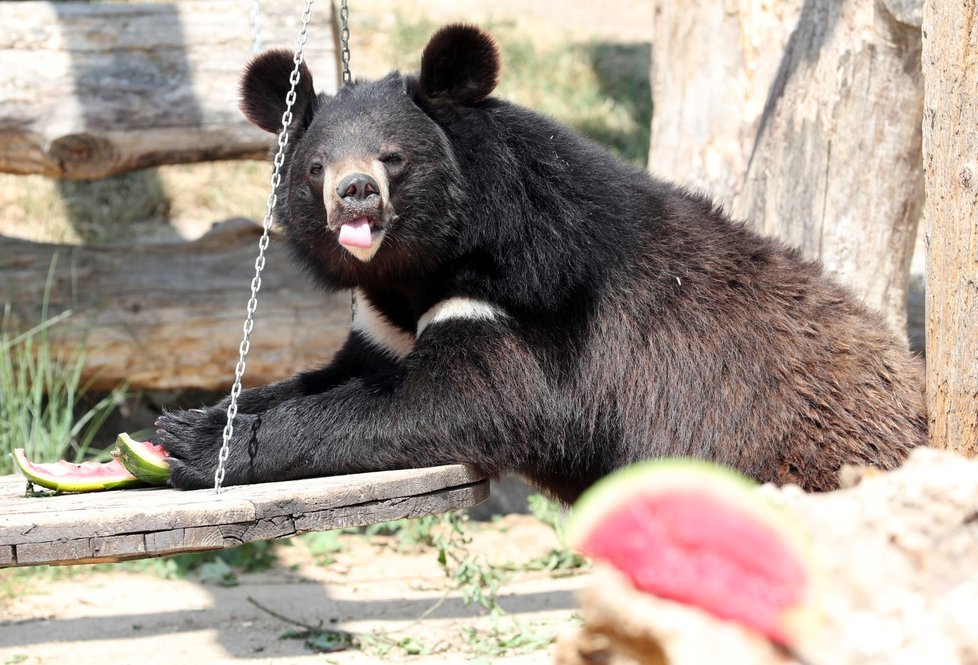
357	233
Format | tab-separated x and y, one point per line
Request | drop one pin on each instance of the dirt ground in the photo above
122	617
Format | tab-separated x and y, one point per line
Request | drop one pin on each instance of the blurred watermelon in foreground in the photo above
699	534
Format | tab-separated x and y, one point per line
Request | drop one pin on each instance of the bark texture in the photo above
951	159
712	65
89	90
836	168
169	316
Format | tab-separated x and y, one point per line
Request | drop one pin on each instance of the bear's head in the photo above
371	186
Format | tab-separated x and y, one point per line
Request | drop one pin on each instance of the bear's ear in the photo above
264	85
459	65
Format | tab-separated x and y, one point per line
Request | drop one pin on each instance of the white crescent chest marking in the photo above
380	332
460	308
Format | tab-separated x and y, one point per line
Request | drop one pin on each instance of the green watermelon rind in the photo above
26	467
661	476
150	469
658	476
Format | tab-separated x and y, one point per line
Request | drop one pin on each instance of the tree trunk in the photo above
951	158
169	316
89	89
836	169
712	65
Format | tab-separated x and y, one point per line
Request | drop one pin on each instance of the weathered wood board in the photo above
91	89
169	316
133	524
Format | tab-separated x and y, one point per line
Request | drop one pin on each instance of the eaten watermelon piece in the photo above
134	464
699	534
143	459
62	476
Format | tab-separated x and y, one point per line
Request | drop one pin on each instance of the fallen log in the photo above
170	316
90	90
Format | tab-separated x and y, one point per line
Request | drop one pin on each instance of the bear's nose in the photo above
357	187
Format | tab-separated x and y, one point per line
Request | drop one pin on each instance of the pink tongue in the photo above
356	233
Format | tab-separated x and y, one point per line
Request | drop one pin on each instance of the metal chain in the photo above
283	140
345	41
347	78
256	26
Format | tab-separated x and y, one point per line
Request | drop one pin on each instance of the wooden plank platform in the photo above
139	523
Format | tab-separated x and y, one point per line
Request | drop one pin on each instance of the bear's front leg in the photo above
468	394
193	438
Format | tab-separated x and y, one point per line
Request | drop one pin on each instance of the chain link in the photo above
256	26
347	78
249	324
345	41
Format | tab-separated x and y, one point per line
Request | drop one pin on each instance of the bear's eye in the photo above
315	168
392	158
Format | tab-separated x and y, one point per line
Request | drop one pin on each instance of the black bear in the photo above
528	303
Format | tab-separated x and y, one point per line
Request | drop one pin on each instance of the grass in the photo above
169	203
42	394
476	578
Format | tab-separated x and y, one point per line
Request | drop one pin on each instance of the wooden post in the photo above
950	62
708	101
836	169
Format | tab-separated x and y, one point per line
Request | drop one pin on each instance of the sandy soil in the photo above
125	617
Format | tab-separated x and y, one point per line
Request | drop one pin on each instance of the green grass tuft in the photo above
42	393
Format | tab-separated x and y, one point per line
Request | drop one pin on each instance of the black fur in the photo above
459	71
635	320
266	83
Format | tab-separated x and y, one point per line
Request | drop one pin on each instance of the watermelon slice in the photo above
143	459
134	463
64	476
699	534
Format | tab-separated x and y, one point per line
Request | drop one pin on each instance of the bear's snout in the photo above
357	187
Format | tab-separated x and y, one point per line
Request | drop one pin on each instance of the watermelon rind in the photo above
38	475
658	476
661	477
141	461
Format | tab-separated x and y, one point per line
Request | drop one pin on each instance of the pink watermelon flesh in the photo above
66	476
153	449
693	548
64	469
